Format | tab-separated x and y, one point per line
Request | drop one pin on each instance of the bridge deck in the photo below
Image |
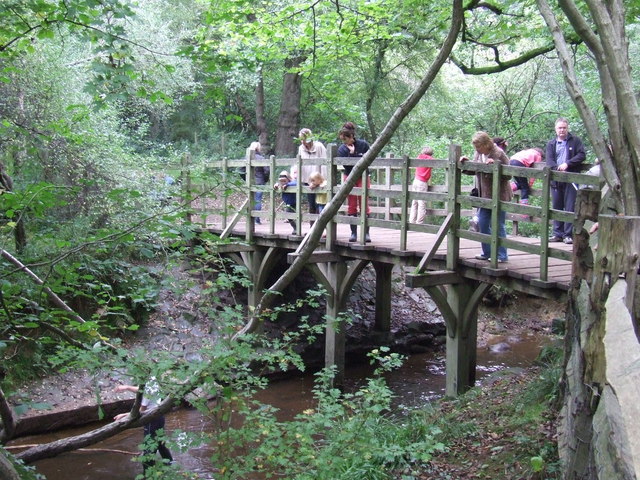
521	272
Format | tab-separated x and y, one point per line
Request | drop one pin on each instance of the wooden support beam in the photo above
334	347
430	279
232	248
383	296
319	256
462	346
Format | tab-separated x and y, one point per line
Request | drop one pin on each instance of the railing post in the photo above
187	186
332	169
404	203
299	182
250	178
225	198
454	181
364	203
495	212
272	196
544	224
388	180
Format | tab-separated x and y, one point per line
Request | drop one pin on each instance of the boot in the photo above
354	233
367	238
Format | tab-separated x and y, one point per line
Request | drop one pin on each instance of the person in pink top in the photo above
525	158
420	184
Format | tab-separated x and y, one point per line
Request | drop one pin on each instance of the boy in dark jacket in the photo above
285	185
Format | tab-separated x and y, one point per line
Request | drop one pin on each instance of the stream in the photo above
419	381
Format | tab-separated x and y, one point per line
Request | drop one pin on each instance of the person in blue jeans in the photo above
487	152
261	177
150	400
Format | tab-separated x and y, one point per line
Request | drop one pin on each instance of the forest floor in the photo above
487	443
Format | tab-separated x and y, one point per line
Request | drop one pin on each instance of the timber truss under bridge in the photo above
440	253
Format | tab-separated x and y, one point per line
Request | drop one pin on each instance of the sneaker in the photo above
258	221
568	240
367	238
353	238
555	239
481	257
502	260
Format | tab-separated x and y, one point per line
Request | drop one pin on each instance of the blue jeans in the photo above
484	223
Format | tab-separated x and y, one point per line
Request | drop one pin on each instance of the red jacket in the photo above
424	173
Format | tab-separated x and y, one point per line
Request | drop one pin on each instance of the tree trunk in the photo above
261	121
289	119
7	471
598	438
19	233
332	207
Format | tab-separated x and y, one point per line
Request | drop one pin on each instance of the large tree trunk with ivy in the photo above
289	119
597	434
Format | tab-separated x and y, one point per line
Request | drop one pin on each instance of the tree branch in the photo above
8	419
502	66
575	92
332	208
50	293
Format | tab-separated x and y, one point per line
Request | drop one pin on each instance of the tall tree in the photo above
598	434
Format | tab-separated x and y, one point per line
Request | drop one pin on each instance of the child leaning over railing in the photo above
285	185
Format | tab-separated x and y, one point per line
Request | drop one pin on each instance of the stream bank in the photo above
179	326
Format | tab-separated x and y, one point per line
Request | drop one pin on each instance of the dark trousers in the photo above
291	208
521	182
150	430
563	197
313	206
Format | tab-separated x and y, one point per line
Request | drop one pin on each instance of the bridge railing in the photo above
390	197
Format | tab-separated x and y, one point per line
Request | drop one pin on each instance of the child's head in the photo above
284	177
315	179
427	150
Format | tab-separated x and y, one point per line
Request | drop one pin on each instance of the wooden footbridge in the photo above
440	253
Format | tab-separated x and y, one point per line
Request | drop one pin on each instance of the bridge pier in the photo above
458	304
383	296
259	263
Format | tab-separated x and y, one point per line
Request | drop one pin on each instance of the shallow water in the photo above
420	380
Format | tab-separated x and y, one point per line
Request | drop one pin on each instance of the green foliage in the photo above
346	436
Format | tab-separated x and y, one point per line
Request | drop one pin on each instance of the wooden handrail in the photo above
450	202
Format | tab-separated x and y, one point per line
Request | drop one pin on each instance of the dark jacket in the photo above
362	147
289	194
261	173
575	153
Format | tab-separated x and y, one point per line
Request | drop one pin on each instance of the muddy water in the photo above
419	381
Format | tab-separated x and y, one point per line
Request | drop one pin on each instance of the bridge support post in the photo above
335	331
383	296
459	307
461	342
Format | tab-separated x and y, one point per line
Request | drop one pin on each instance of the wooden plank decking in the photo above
521	272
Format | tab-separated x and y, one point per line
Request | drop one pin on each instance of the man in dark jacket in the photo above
564	153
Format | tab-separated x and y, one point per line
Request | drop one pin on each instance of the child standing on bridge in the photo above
421	184
288	197
316	180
